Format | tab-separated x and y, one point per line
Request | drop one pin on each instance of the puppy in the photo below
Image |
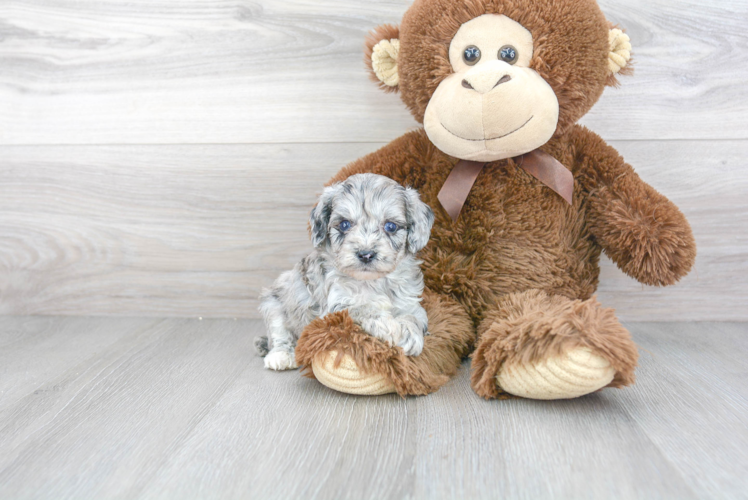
366	231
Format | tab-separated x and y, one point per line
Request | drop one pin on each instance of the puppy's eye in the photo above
344	226
390	227
508	54
471	55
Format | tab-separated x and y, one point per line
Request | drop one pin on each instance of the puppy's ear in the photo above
420	219
320	216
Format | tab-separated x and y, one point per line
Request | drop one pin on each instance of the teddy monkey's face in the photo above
493	106
503	82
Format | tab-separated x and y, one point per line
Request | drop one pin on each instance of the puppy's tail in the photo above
261	345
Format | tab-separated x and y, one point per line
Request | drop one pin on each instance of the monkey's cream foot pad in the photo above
340	355
347	377
573	374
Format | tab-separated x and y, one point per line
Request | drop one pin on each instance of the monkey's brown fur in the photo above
517	271
450	340
531	325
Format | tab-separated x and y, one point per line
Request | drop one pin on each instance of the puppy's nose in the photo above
366	256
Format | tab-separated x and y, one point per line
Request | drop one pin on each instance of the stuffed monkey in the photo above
525	201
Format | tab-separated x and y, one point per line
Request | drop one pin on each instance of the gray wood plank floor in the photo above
181	408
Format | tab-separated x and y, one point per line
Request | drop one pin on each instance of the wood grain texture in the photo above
198	230
48	339
226	71
708	361
115	418
183	409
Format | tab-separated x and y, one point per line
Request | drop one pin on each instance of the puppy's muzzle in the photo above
366	256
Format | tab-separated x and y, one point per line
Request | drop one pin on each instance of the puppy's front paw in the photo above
384	328
411	340
280	360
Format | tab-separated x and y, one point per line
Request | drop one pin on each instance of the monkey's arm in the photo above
394	160
642	231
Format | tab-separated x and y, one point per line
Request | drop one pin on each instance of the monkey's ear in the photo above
619	55
382	49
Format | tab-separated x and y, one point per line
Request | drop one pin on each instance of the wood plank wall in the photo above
159	158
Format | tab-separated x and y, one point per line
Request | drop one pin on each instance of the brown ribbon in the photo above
539	164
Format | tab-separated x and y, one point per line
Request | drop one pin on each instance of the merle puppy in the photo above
366	231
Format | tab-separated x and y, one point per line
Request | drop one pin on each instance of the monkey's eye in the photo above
390	227
344	225
471	55
508	54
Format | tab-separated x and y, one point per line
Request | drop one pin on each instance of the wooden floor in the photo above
181	408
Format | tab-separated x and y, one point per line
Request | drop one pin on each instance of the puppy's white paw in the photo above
280	360
385	328
411	340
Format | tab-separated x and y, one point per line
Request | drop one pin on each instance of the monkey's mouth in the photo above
490	138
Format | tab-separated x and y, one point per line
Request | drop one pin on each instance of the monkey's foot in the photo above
347	377
570	375
541	346
340	355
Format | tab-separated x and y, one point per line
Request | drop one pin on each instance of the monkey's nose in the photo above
503	79
481	84
366	256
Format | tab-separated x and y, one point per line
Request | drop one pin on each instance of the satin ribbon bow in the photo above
539	164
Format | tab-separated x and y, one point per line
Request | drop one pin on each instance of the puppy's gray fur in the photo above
382	295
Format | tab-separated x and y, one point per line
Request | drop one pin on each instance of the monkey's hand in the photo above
646	235
642	231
